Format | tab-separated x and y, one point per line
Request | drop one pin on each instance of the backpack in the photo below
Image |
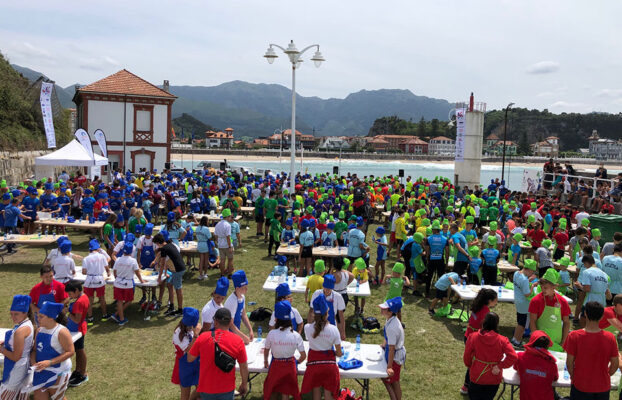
347	394
371	323
260	314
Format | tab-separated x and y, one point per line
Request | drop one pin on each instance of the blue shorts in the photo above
176	279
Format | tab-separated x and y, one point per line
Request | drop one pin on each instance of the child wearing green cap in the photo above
564	275
269	207
524	282
474	271
543	257
361	273
594	242
515	249
396	282
491	258
315	281
275	233
561	239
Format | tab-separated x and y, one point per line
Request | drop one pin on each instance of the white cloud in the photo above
543	67
545	94
102	63
610	93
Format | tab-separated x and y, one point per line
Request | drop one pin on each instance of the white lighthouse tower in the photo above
469	142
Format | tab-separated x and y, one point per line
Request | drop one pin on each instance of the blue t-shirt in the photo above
415	250
599	283
306	239
515	252
87	204
30	204
49	201
235	229
2	207
466	233
115	204
437	245
328	239
612	266
355	238
11	213
443	283
474	264
491	256
458	238
66	201
521	289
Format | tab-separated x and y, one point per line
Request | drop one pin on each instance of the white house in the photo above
134	114
603	148
442	146
549	147
334	143
219	139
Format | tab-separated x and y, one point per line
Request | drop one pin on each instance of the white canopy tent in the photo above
70	155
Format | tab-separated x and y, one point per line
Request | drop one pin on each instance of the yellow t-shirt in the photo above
422	230
400	231
315	282
361	274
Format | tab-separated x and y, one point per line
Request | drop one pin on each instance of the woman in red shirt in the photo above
537	368
487	354
483	302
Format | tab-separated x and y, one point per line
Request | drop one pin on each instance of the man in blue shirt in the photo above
523	289
435	247
462	259
11	213
356	237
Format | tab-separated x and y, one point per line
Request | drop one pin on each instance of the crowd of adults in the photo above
441	235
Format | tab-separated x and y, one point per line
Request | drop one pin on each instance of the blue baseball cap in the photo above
128	248
283	310
320	305
283	290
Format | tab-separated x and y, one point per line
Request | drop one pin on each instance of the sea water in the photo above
514	174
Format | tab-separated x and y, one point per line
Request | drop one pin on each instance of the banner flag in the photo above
85	140
100	136
460	131
45	98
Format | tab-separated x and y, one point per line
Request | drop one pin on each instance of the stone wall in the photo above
17	166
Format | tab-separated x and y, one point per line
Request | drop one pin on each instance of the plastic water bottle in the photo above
463	283
259	333
566	374
482	281
500	290
293	280
358	343
358	284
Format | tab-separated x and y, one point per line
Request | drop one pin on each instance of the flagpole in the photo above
192	151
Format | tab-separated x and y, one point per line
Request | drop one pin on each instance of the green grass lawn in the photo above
136	361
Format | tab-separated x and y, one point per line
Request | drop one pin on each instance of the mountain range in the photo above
256	110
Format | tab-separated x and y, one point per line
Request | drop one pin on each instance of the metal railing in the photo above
593	179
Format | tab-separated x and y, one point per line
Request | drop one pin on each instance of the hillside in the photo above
187	124
64	94
21	125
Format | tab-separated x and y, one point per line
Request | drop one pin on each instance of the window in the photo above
143	123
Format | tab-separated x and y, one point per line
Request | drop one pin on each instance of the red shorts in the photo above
392	238
396	374
100	291
124	294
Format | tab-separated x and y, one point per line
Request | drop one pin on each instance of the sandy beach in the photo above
236	157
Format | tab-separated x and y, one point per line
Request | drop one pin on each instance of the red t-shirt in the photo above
561	238
592	352
536	305
608	208
609	314
537	375
537	236
211	378
57	288
81	306
476	320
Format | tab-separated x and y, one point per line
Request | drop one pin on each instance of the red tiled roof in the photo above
414	140
492	136
378	140
229	129
440	138
287	132
125	82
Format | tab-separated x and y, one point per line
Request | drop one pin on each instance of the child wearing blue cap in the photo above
218	298
336	304
282	342
30	205
236	303
381	253
324	345
52	342
95	267
393	345
283	292
11	214
64	267
124	270
16	347
186	374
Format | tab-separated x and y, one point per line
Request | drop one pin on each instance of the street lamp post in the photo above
295	58
505	134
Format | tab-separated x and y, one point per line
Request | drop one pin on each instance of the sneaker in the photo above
90	321
115	317
431	312
517	345
201	277
142	300
178	313
464	390
105	317
125	321
170	311
78	380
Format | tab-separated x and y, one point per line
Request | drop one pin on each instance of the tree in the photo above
523	145
421	128
434	128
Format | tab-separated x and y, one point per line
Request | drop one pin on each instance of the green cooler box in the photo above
608	225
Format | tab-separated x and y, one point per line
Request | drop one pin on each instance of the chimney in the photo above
76	87
471	102
165	86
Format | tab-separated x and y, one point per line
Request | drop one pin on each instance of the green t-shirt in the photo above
493	213
270	207
107	230
483	214
395	288
131	226
119	233
340	227
259	206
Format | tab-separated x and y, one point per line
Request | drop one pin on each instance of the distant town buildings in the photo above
442	146
604	149
334	143
494	146
414	145
274	141
549	147
223	140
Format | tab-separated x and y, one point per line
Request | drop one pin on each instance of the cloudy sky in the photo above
560	55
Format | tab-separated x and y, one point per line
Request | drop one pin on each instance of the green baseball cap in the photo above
474	251
226	212
518	237
493	226
546	243
492	240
